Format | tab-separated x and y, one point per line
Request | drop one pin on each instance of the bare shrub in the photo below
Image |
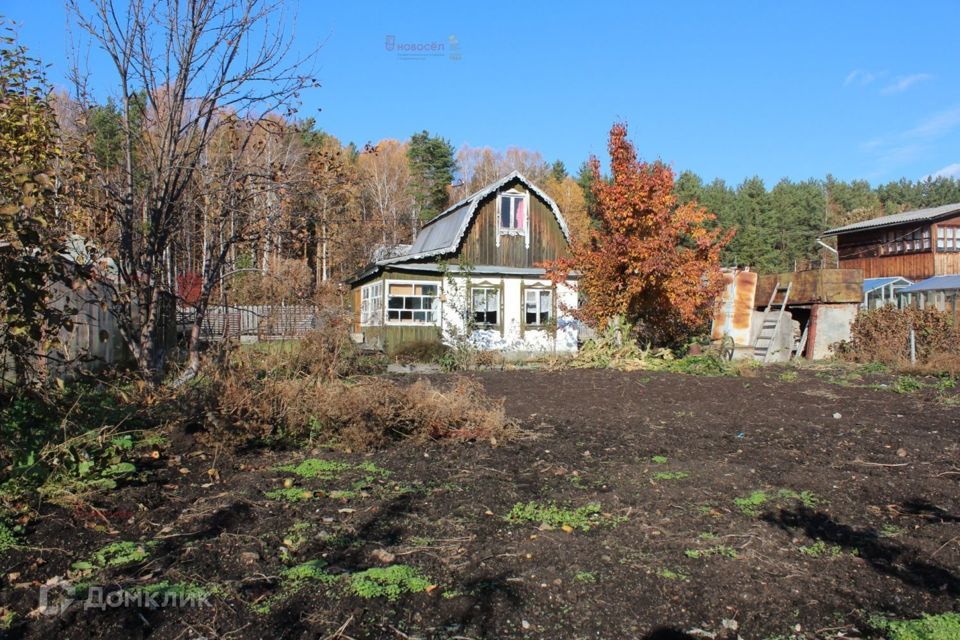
244	406
883	335
421	351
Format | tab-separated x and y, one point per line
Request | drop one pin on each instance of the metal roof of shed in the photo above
936	283
872	284
919	215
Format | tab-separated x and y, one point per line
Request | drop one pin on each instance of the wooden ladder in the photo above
803	343
772	317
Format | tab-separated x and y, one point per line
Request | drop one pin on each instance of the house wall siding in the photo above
510	337
546	238
862	251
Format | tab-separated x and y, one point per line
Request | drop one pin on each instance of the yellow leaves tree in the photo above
573	205
38	182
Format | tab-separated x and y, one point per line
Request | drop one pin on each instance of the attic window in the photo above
514	211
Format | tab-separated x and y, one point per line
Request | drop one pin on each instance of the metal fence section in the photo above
259	322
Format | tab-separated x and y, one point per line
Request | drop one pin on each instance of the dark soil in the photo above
878	532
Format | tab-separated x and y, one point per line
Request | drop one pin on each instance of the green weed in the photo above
388	582
753	504
669	574
8	540
290	494
907	384
704	365
670	475
309	571
7	617
585	576
789	376
928	627
116	554
820	549
659	459
719	550
583	518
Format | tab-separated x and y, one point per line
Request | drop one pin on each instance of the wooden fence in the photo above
261	322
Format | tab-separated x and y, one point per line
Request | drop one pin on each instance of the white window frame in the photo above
489	289
434	309
514	195
537	291
371	304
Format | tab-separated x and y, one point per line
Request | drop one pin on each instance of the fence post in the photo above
913	347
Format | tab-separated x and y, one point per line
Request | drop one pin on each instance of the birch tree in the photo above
193	61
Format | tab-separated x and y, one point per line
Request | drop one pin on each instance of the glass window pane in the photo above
505	212
545	301
395	303
531	317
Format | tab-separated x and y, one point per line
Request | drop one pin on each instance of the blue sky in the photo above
727	89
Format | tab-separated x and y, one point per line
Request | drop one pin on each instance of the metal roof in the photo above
920	215
872	284
444	233
936	283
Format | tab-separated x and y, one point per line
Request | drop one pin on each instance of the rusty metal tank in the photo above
734	311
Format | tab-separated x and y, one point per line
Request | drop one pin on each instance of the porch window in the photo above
538	306
371	304
486	306
513	207
948	238
412	302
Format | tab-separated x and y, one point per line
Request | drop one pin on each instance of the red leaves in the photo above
656	261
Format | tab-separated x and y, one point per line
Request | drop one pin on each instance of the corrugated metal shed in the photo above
872	284
936	283
919	215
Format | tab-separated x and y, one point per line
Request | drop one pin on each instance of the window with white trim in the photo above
948	238
412	302
538	307
371	305
514	211
485	303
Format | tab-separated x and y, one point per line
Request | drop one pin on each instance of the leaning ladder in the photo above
772	317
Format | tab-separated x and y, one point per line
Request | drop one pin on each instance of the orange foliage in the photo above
652	260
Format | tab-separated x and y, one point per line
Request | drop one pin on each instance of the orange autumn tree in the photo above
650	259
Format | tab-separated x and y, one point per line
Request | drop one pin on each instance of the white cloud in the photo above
902	83
936	125
860	77
949	171
911	145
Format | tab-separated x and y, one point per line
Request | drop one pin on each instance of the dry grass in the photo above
317	393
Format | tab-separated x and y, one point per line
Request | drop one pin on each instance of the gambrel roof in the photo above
443	234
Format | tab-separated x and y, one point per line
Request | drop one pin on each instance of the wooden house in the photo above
474	273
913	244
